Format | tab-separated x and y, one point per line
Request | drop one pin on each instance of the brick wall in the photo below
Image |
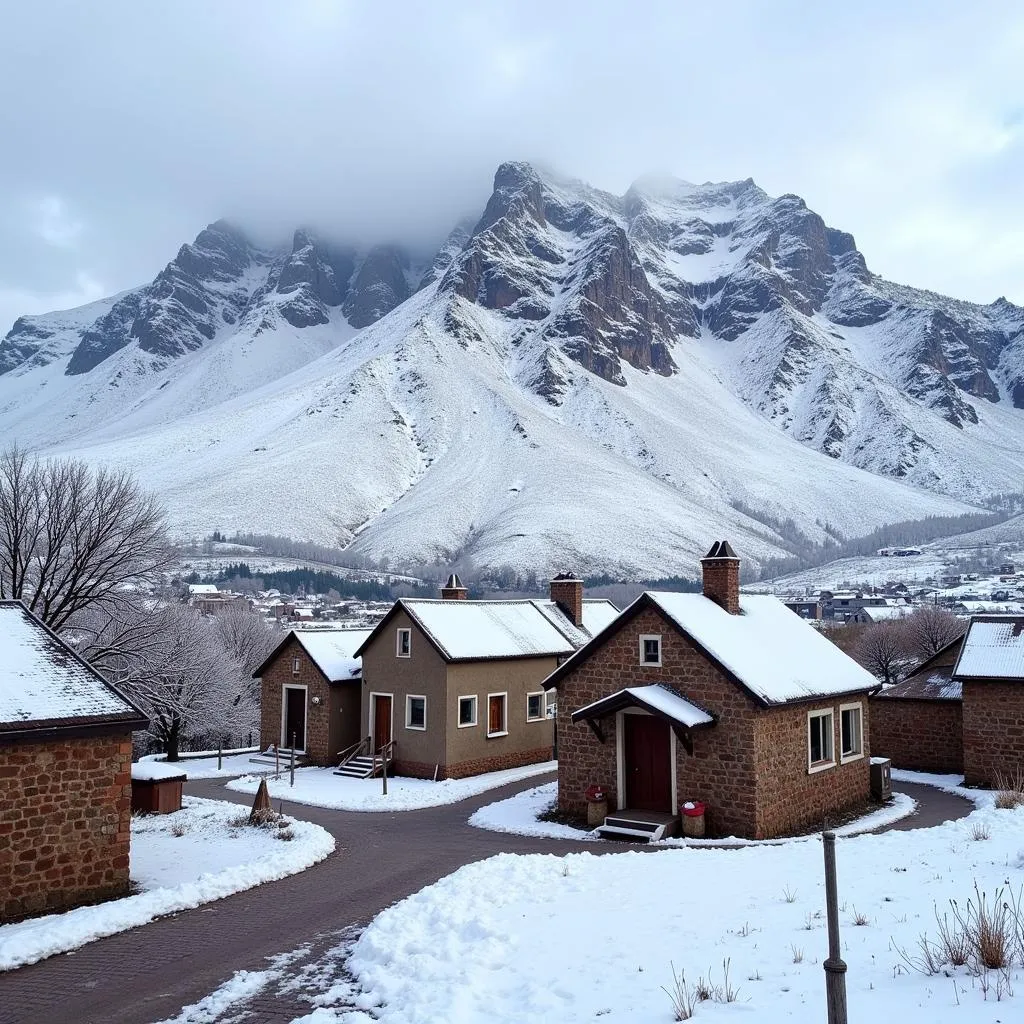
789	798
65	812
318	747
496	763
993	730
750	768
923	735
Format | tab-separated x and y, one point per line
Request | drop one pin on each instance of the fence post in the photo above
384	773
220	759
277	761
292	767
835	968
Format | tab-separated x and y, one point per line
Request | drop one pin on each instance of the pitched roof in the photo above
333	651
597	613
933	685
661	700
44	684
993	649
772	653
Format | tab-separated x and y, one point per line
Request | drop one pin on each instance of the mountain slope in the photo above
575	379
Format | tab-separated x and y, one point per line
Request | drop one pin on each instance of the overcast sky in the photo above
127	126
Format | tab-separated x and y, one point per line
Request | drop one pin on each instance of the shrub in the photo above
1010	789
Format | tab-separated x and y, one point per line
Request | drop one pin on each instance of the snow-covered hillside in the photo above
577	380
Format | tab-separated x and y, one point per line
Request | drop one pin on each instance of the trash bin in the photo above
693	819
597	805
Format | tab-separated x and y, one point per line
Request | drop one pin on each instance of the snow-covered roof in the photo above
202	588
775	654
475	630
333	651
886	613
597	613
157	771
929	685
44	683
654	697
993	649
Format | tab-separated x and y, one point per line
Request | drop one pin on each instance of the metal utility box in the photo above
881	779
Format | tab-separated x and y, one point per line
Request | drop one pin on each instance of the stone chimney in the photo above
721	569
453	590
567	593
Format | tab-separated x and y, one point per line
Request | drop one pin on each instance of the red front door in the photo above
648	767
381	721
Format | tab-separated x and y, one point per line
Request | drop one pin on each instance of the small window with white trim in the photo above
416	712
497	717
820	749
851	732
403	643
650	650
535	706
467	712
296	666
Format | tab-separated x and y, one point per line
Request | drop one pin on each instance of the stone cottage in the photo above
65	782
719	697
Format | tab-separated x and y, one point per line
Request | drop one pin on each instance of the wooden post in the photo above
292	765
277	761
384	772
835	968
219	757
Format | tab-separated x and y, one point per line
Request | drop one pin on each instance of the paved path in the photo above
148	974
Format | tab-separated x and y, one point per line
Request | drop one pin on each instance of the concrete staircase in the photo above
362	766
639	826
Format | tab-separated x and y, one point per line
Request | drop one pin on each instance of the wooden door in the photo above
294	718
495	714
648	767
381	721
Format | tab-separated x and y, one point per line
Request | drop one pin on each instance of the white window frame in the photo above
285	740
857	706
543	706
296	665
504	715
409	698
820	766
458	712
403	630
644	637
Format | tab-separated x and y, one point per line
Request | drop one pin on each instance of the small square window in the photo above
851	732
403	643
820	752
496	714
467	712
650	650
296	666
535	706
415	712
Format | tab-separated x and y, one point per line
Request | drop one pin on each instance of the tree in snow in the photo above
72	537
931	628
882	648
177	666
248	639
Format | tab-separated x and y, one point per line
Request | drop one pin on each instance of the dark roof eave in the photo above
71	730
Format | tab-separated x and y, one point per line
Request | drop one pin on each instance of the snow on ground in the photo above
520	814
320	787
867	571
583	937
206	767
179	861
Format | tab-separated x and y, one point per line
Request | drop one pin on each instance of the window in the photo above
467	712
415	712
496	717
819	740
851	732
403	643
296	665
535	706
650	650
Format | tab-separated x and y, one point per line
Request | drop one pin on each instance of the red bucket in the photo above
692	808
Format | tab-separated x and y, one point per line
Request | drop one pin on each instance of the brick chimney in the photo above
453	590
721	569
567	593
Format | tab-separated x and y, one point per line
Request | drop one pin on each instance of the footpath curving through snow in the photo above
520	939
320	787
180	861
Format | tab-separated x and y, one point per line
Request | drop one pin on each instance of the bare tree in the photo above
931	628
71	537
882	649
248	639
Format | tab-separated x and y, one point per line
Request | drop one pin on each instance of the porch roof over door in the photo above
657	699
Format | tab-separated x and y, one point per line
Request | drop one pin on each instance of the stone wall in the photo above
922	735
279	674
65	813
993	731
462	770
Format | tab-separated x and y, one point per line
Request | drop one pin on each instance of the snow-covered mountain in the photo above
574	378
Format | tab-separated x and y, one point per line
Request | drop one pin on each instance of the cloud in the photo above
15	302
899	123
